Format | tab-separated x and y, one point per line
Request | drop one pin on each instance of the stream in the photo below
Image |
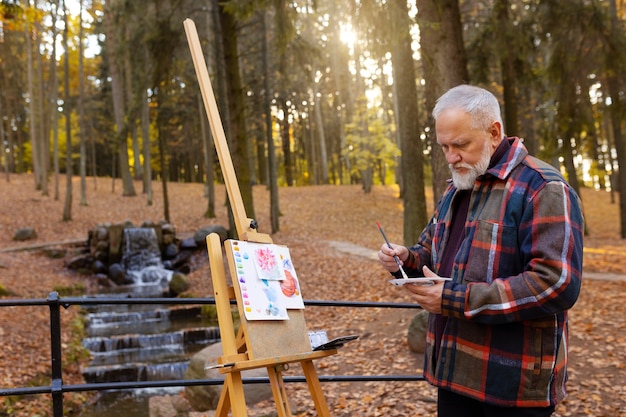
146	342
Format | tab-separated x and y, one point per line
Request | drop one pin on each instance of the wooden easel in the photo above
259	343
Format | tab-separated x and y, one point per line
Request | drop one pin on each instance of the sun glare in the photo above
348	35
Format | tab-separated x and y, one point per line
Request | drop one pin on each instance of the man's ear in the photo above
495	132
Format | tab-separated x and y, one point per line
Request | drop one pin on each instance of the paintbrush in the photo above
395	257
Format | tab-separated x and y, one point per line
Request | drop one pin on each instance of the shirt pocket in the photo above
494	252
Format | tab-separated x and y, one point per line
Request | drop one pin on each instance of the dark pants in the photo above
450	404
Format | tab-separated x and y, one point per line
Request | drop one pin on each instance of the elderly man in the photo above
508	231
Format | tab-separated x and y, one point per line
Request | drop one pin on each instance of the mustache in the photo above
460	165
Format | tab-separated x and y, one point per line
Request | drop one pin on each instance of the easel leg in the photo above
316	388
232	396
278	390
223	406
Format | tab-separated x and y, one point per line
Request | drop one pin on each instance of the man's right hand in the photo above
386	256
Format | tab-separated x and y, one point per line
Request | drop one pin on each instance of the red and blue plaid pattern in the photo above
517	272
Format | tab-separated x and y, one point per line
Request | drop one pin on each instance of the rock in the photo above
200	236
25	233
168	240
188	244
102	233
168	406
80	262
101	250
183	269
148	223
182	259
117	274
55	253
203	398
98	267
168	229
179	284
102	280
170	252
416	335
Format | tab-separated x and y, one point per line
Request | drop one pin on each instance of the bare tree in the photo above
239	141
81	108
117	87
444	66
412	161
37	157
67	207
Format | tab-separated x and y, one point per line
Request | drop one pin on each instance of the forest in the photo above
310	92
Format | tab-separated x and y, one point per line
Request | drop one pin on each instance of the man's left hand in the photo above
427	296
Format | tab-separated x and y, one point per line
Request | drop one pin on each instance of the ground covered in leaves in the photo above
313	220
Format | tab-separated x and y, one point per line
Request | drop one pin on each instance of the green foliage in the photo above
209	312
5	291
70	290
76	353
370	147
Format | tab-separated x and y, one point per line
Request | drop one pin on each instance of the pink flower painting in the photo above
267	263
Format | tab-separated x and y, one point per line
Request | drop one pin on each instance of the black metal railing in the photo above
57	388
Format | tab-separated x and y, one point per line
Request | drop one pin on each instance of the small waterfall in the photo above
145	342
145	357
109	323
142	257
140	343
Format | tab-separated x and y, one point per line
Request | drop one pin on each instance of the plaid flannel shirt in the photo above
517	272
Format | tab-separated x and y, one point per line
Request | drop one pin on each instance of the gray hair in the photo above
482	106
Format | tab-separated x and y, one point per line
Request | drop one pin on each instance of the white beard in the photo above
466	181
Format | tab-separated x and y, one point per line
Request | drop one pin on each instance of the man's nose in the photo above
452	157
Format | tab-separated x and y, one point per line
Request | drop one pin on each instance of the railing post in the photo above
55	350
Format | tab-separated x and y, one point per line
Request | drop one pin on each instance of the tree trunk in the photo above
319	129
507	66
164	170
362	123
4	154
615	68
67	208
53	93
208	160
145	137
412	160
119	111
340	67
81	111
31	108
445	66
285	140
234	88
42	145
269	138
132	108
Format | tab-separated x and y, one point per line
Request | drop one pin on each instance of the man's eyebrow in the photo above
458	142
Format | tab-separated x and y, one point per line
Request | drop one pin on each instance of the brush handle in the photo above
395	257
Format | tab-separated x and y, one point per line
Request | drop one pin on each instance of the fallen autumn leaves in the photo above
311	218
